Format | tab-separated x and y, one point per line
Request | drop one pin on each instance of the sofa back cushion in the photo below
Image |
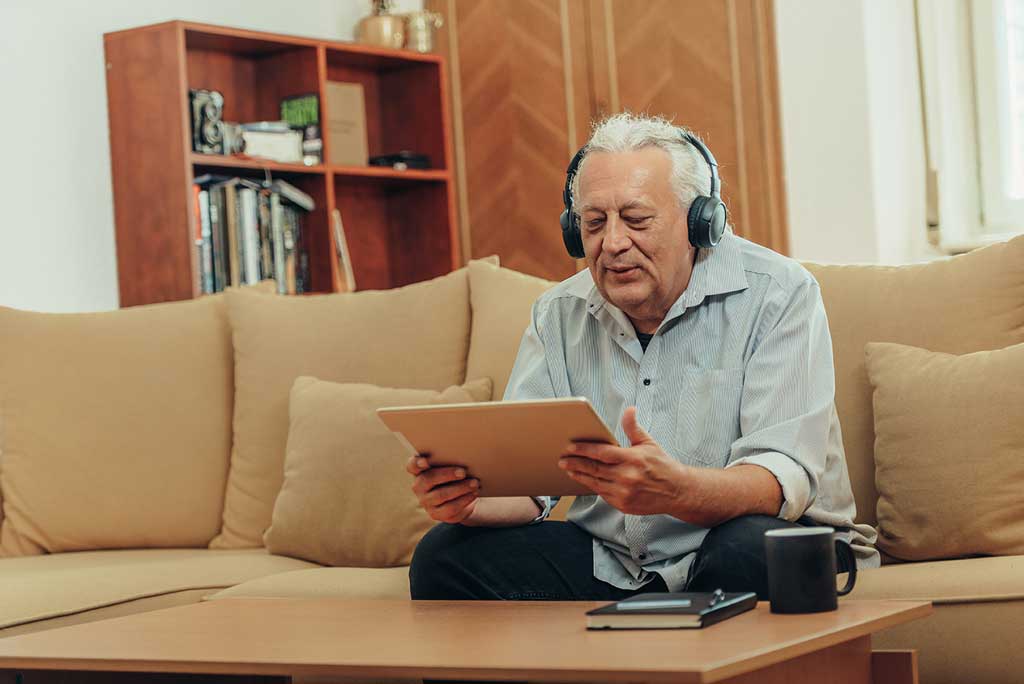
415	336
949	451
115	427
962	304
346	498
501	299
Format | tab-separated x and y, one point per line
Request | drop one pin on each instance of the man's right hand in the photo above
444	493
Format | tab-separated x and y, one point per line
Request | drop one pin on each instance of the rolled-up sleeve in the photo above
531	379
788	397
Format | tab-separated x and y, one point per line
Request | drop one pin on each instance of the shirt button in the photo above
647	381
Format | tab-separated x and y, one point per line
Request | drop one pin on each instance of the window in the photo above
972	70
998	41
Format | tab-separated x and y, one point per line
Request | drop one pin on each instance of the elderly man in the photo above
712	357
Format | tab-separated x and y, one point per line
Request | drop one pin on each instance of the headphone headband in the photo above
706	219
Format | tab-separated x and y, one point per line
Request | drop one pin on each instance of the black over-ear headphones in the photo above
706	219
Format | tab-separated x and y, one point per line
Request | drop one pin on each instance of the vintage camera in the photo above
207	124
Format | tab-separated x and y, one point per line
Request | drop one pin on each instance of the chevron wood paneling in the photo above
514	130
708	65
529	75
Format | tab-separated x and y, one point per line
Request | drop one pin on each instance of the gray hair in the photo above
627	132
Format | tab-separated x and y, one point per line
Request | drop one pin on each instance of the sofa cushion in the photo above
994	578
41	587
115	427
958	305
963	643
346	498
502	300
130	607
949	451
352	583
415	336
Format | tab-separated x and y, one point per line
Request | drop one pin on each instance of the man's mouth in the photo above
620	269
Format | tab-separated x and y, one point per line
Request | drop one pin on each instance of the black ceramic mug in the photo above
802	569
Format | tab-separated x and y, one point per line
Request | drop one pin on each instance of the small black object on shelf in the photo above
402	160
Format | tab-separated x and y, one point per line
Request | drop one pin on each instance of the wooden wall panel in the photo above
717	79
514	130
530	75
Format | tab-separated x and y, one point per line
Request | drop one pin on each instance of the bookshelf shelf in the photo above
385	172
220	161
400	225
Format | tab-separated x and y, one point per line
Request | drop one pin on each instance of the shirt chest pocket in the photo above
707	422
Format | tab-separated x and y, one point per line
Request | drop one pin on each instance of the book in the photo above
266	243
212	234
277	238
346	123
218	229
681	610
291	193
346	279
250	236
198	238
206	241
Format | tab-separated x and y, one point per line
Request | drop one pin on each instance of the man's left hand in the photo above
638	480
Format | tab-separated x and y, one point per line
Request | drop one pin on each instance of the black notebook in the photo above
670	611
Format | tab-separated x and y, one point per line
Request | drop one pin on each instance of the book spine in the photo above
234	263
206	243
197	237
289	250
266	244
250	236
217	234
277	236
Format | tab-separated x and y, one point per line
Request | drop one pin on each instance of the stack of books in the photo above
248	231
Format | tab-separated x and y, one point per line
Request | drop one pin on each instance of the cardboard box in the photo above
346	124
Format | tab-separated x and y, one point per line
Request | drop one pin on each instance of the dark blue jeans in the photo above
554	561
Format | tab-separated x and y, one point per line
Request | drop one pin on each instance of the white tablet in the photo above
511	447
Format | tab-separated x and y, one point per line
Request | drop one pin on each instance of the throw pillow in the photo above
346	500
414	336
115	427
501	300
957	305
949	451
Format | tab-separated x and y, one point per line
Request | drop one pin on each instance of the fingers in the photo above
456	510
417	464
434	477
598	486
439	496
605	453
586	466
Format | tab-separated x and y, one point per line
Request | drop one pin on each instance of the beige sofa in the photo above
963	304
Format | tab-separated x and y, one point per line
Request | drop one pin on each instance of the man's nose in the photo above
616	236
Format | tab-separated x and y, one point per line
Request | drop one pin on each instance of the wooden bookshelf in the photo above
400	225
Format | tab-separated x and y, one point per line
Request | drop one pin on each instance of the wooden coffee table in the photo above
521	641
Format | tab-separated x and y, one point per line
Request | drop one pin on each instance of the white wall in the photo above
853	144
57	223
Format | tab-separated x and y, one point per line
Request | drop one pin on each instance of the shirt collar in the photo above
718	270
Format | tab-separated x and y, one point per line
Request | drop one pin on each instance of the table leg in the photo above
894	667
845	663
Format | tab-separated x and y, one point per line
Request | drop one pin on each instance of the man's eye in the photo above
594	223
636	219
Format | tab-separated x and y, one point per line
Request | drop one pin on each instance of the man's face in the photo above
634	233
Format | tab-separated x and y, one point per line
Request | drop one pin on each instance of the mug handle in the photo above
845	551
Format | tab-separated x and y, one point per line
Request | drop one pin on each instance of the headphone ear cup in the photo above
706	221
697	227
571	235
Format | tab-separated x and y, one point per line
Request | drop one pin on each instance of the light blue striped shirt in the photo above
740	371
